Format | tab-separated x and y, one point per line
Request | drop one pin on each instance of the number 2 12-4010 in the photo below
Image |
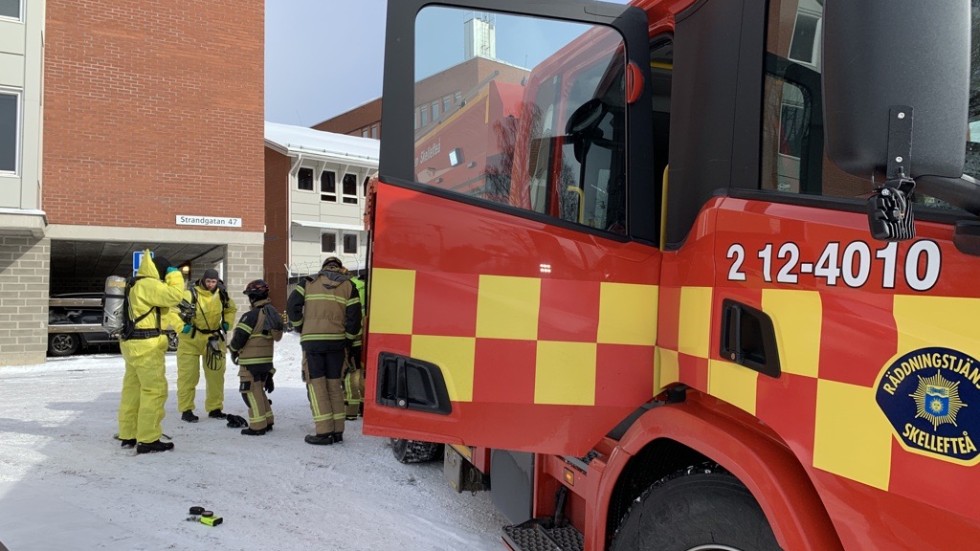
850	263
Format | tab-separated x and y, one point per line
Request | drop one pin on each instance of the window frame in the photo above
397	155
332	233
347	198
18	96
312	180
325	195
357	242
20	13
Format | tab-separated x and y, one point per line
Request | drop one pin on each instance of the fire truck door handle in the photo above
748	338
401	384
409	383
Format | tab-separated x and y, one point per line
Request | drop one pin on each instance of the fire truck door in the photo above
514	280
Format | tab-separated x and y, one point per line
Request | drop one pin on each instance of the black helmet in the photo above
332	262
257	290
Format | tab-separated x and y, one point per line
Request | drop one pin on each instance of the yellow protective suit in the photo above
191	350
144	390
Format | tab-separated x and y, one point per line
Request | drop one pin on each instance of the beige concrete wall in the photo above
24	268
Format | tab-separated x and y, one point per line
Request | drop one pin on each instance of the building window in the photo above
350	189
9	125
10	8
447	104
424	116
328	186
304	180
459	98
350	243
365	132
435	110
375	131
328	242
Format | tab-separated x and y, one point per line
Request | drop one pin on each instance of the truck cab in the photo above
718	260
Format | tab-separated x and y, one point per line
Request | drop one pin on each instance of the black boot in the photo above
216	414
189	417
268	428
127	442
338	436
152	447
253	432
319	439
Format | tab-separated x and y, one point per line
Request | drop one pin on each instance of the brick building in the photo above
152	137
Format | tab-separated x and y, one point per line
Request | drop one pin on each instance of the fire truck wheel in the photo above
701	508
414	451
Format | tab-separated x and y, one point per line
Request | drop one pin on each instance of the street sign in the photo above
137	257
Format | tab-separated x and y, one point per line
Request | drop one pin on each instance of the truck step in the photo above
534	535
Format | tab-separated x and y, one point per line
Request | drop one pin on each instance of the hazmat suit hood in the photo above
148	267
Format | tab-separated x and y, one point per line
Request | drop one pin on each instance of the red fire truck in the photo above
719	296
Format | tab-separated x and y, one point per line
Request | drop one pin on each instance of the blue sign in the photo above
931	396
137	258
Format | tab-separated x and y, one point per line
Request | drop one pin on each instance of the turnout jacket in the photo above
255	334
326	310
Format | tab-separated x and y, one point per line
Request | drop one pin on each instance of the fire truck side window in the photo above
540	124
793	159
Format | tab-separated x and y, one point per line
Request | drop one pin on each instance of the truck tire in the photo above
699	508
414	451
63	344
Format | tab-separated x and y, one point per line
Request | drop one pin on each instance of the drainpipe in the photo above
293	171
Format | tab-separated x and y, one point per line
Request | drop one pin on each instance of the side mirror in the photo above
581	126
896	79
879	54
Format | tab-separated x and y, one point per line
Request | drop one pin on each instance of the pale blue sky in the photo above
323	57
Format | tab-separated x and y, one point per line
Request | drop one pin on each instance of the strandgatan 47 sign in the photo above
931	397
218	221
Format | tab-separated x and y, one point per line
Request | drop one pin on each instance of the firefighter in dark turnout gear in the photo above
251	347
326	310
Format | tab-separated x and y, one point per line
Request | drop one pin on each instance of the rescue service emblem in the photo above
931	397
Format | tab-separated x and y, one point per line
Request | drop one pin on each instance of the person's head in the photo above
333	264
161	264
257	290
210	279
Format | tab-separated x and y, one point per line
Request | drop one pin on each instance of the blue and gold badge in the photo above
931	397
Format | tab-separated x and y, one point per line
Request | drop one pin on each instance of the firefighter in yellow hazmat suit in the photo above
158	288
202	340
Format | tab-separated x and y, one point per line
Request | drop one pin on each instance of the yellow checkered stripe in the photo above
508	308
845	414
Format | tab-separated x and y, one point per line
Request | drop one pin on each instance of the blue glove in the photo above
186	329
172	269
224	325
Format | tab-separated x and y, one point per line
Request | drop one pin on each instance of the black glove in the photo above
234	357
269	385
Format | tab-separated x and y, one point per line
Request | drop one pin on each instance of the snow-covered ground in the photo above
65	483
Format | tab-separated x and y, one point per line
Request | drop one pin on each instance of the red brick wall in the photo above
276	253
152	109
354	120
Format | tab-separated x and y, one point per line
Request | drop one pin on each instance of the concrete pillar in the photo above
243	263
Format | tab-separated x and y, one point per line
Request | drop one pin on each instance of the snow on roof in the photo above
317	144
